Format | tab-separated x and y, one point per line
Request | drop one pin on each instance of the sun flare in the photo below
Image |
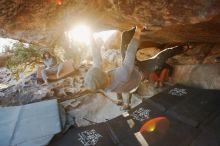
80	33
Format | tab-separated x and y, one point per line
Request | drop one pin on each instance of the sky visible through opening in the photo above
6	42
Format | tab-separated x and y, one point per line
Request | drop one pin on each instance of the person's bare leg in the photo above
46	72
163	76
60	67
156	84
45	83
119	99
161	84
127	104
44	76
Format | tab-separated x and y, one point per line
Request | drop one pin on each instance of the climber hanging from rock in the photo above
123	79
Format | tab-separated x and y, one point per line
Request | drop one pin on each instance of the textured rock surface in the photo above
146	53
203	76
27	90
43	22
3	59
6	77
111	58
202	53
114	41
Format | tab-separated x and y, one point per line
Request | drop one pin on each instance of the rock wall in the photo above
43	22
6	78
204	76
3	60
29	90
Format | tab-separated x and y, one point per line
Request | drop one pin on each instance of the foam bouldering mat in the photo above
29	125
125	127
94	135
198	108
173	96
129	123
173	117
177	133
90	135
210	134
170	132
66	71
190	105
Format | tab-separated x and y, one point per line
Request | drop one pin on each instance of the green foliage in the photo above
22	55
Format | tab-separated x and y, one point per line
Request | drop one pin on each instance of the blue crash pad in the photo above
29	125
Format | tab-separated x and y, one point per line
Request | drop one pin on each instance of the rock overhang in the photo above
44	22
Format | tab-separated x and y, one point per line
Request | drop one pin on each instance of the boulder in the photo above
204	76
44	22
114	41
111	58
3	59
6	78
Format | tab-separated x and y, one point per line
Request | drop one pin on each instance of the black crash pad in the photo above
173	96
145	112
190	105
100	134
185	108
210	135
94	135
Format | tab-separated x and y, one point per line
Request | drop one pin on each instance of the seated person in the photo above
50	66
160	74
122	79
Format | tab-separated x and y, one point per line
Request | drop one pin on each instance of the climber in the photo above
161	74
123	79
156	67
50	66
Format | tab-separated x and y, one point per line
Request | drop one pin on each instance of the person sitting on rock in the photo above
160	75
123	79
50	66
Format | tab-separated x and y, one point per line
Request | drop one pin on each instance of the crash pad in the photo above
184	108
210	134
121	131
67	70
29	125
187	104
